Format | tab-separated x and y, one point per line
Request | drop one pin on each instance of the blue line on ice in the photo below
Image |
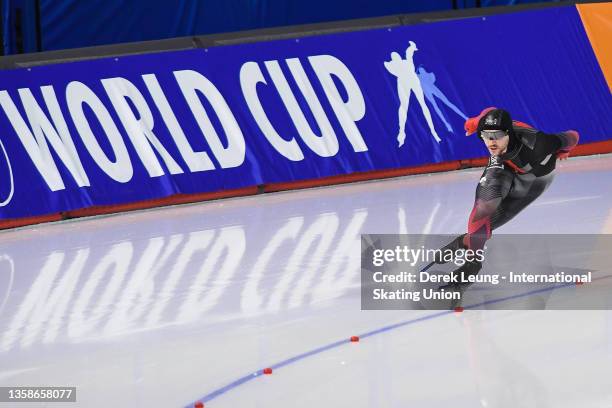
214	394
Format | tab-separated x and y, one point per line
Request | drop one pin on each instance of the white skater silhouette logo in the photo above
423	84
408	82
10	171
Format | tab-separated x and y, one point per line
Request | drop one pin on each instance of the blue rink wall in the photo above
122	130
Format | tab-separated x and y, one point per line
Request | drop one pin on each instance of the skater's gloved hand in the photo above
471	125
442	257
569	139
466	270
562	155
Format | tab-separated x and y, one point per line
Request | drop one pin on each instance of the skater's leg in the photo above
494	186
523	193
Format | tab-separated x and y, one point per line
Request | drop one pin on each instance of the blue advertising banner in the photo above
121	130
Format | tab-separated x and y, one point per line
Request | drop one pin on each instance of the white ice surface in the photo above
160	308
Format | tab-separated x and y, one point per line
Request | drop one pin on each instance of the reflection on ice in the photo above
147	280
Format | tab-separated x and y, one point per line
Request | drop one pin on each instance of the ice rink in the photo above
165	307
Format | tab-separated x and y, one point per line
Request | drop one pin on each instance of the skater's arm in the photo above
545	144
559	144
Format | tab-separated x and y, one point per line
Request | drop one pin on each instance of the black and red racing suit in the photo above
513	180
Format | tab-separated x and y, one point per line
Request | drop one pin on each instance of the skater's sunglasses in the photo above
493	134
